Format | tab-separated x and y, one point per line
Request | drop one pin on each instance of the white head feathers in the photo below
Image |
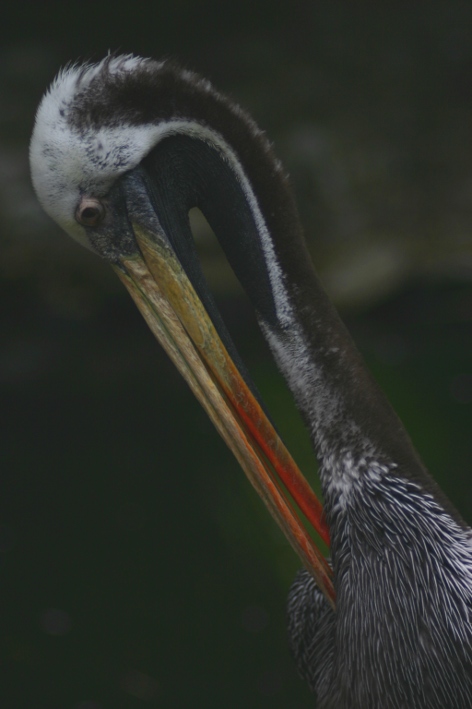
70	158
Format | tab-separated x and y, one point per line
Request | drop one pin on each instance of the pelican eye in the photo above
90	212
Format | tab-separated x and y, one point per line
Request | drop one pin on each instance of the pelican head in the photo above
120	152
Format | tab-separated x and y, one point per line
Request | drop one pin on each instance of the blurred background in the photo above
138	568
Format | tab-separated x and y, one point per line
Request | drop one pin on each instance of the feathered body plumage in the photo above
401	634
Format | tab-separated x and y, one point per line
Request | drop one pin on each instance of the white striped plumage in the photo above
401	636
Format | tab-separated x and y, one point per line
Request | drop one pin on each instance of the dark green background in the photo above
138	568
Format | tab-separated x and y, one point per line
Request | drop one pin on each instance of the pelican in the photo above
121	151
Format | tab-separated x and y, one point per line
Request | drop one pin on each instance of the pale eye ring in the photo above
90	211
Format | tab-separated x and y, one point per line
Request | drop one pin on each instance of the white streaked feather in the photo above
67	163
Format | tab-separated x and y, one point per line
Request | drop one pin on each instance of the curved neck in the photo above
348	417
202	150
